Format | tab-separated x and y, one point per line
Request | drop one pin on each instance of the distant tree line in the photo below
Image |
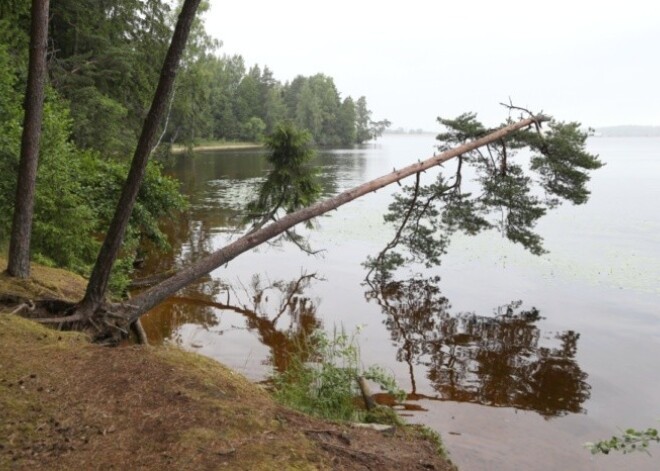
217	97
104	59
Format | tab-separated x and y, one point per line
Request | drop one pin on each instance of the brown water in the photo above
517	360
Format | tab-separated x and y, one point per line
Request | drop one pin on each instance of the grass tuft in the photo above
321	379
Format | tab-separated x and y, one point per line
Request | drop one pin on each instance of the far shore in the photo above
217	146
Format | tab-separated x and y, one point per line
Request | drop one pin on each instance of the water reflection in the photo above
501	360
278	312
217	185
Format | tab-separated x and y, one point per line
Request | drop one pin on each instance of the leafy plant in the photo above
631	440
76	189
321	378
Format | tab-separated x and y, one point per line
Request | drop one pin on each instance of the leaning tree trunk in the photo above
19	246
98	282
146	300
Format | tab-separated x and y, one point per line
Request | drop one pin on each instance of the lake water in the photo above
517	360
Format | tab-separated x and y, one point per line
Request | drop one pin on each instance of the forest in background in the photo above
103	61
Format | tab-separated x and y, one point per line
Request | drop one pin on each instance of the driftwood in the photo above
369	402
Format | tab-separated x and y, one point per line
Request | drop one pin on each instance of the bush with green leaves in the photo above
321	378
76	190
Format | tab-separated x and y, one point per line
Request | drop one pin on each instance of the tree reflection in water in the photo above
502	360
490	360
278	312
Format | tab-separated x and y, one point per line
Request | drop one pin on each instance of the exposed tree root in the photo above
108	326
29	305
58	320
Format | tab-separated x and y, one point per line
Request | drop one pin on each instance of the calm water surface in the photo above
516	359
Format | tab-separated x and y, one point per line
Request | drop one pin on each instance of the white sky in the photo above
597	62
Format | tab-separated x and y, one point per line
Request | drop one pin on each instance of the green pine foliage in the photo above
292	183
106	61
512	191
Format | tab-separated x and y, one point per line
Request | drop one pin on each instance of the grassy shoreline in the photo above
217	146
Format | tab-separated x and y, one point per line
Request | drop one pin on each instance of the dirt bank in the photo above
68	404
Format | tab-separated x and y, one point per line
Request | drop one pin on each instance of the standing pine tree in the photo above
19	246
98	282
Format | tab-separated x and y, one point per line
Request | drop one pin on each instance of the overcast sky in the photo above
597	62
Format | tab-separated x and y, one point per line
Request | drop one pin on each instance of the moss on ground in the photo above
44	283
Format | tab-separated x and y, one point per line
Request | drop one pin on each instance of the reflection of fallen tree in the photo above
164	321
412	322
491	360
300	311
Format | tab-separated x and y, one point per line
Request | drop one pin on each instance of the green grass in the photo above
433	437
321	380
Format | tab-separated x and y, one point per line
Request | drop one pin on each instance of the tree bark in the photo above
19	246
148	299
139	332
98	282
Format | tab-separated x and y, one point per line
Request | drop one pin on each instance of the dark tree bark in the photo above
98	282
146	300
19	246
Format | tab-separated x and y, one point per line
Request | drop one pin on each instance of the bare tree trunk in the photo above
19	245
146	300
98	282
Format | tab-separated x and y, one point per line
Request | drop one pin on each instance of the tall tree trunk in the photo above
19	245
140	304
98	282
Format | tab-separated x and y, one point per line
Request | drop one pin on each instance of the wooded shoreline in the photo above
217	147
